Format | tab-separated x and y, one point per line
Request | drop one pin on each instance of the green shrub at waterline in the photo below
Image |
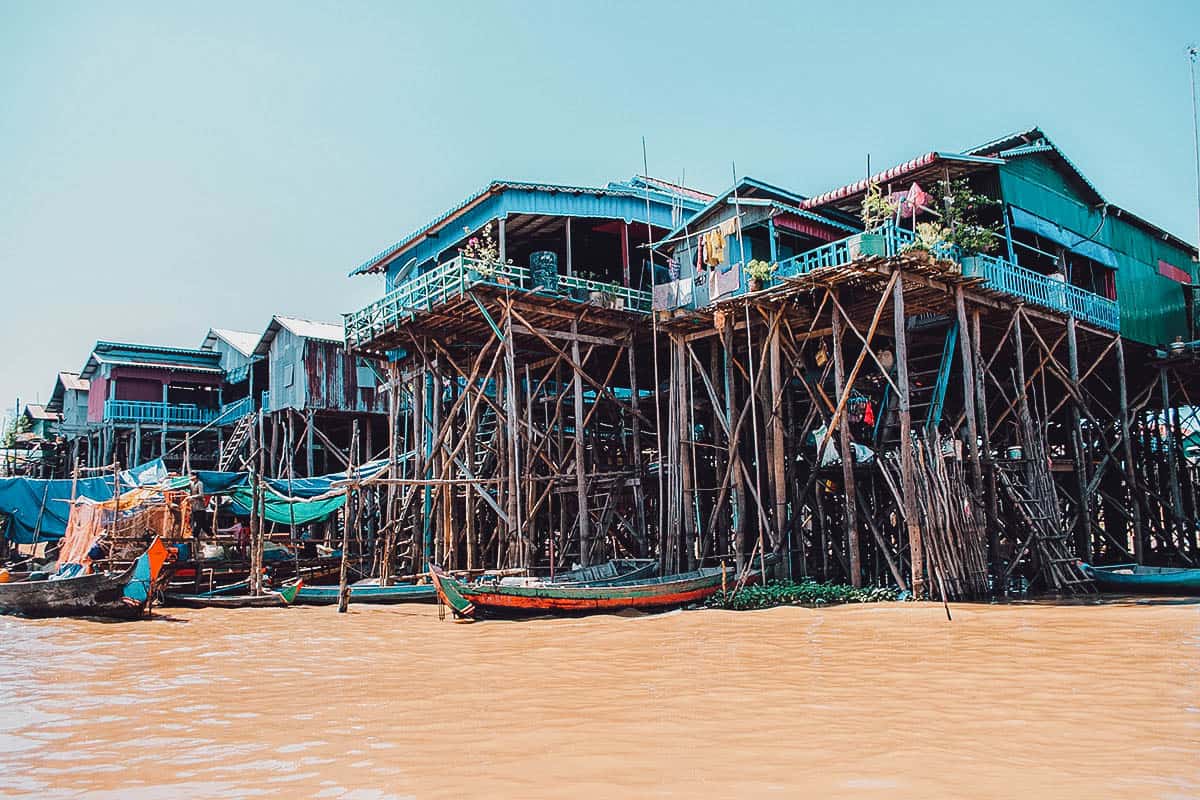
784	593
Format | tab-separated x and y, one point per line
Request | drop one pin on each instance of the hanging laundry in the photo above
714	247
869	414
822	355
729	227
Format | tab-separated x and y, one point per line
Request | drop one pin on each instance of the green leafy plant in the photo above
962	208
780	593
760	271
876	210
16	425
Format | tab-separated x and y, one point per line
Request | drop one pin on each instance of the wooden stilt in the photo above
846	451
908	488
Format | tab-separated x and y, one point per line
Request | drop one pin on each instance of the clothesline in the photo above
686	236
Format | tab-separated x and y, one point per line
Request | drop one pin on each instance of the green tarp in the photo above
279	509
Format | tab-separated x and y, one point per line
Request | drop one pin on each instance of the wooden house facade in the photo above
149	401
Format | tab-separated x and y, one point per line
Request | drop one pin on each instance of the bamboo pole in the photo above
344	566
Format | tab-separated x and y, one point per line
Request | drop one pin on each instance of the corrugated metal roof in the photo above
38	411
895	173
1034	141
242	341
66	381
614	189
310	329
717	200
304	328
152	356
72	382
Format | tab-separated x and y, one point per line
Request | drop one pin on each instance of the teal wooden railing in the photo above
997	274
232	412
1033	287
454	278
134	411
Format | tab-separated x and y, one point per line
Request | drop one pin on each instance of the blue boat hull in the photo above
1131	578
372	595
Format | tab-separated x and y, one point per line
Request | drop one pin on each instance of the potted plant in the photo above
876	212
759	272
964	234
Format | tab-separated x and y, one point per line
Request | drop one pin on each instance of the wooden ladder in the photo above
1061	569
237	439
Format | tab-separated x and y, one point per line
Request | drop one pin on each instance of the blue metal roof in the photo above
780	195
635	189
152	356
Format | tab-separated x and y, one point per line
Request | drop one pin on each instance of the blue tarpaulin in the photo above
311	487
38	509
213	482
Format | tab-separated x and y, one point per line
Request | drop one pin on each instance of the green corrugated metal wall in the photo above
1152	306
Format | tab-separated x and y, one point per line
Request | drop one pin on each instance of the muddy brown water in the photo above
888	701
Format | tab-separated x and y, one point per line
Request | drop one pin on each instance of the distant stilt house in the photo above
310	391
34	448
148	401
69	399
244	392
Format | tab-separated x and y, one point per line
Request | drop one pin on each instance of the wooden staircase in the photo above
931	358
1046	531
236	441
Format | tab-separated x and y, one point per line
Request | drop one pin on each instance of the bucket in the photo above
1015	453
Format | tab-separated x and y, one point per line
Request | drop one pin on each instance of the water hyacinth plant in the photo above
786	593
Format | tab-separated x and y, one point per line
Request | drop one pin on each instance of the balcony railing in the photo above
131	411
232	412
453	278
1051	293
997	274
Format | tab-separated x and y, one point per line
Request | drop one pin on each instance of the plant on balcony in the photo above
759	272
929	237
962	207
876	210
483	251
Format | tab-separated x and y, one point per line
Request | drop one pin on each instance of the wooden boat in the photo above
112	595
618	570
268	600
1134	578
222	598
368	593
480	599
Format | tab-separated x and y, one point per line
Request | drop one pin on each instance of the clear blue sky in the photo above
168	167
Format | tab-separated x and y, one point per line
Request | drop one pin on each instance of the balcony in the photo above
996	274
150	413
453	279
232	412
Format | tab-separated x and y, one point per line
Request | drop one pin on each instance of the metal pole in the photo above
1193	54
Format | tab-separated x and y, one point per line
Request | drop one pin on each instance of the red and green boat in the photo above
474	600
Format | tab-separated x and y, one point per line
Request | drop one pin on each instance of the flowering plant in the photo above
483	250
